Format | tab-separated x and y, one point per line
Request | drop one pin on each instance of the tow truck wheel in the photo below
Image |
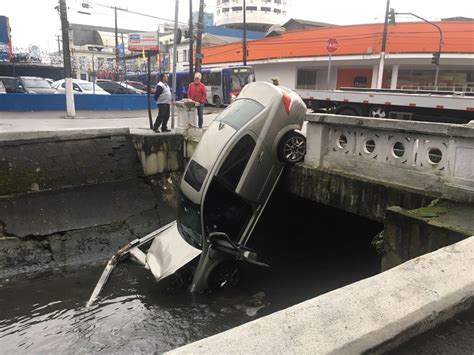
217	101
225	275
292	148
378	112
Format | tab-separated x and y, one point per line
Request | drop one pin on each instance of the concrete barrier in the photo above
375	314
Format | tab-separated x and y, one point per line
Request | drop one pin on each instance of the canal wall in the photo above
370	316
74	197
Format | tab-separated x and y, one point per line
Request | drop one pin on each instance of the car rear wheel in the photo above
292	148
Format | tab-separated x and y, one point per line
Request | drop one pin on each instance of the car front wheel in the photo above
292	148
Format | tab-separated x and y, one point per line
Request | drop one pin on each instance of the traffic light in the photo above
391	17
435	58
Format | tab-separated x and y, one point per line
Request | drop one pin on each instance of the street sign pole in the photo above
331	47
329	71
148	73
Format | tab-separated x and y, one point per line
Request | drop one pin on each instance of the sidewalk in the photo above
54	120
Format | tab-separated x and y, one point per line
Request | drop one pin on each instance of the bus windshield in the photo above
239	80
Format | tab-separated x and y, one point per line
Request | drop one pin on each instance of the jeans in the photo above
200	112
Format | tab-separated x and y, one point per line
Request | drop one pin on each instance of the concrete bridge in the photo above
417	178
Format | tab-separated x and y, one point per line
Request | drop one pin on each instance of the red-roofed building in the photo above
300	59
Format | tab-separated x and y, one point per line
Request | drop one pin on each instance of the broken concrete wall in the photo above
75	197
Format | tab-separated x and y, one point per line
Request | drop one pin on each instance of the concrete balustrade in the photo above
424	156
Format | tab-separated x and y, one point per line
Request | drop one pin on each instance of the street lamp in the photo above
437	55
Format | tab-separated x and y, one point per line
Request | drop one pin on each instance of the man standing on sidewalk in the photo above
163	100
197	92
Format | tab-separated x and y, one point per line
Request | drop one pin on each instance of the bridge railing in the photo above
434	157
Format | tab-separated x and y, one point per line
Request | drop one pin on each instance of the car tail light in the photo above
287	102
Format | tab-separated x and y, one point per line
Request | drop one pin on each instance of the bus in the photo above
223	84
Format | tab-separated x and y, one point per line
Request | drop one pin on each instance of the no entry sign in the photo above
331	45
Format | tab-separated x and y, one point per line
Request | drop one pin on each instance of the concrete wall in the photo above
411	233
74	197
375	314
31	162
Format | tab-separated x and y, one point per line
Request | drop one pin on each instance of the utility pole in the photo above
244	37
70	109
382	51
191	41
199	36
175	59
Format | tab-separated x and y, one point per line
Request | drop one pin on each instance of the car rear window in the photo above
195	175
240	112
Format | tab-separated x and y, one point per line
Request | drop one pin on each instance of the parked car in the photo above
113	87
34	85
228	182
80	87
11	84
139	85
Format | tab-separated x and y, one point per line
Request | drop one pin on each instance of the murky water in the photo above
314	250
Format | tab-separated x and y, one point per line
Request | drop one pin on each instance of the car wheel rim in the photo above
295	149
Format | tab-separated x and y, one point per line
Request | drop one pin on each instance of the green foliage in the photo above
378	242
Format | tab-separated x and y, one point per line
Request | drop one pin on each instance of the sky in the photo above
37	22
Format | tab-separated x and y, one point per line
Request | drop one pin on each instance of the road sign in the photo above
332	45
139	41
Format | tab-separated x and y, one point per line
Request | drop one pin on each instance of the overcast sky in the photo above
37	22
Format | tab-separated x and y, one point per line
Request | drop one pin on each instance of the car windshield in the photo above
90	87
36	83
189	221
239	113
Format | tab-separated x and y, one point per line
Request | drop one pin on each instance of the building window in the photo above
251	8
237	8
218	11
277	11
225	9
306	79
185	55
277	1
225	1
265	9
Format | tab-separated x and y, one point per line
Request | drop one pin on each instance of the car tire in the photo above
217	101
225	275
292	148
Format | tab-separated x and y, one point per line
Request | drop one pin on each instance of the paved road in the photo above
52	120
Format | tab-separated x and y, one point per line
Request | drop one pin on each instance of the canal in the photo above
312	249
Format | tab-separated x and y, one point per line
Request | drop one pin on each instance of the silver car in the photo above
231	176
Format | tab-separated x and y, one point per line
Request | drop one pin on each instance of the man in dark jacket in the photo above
197	92
163	100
